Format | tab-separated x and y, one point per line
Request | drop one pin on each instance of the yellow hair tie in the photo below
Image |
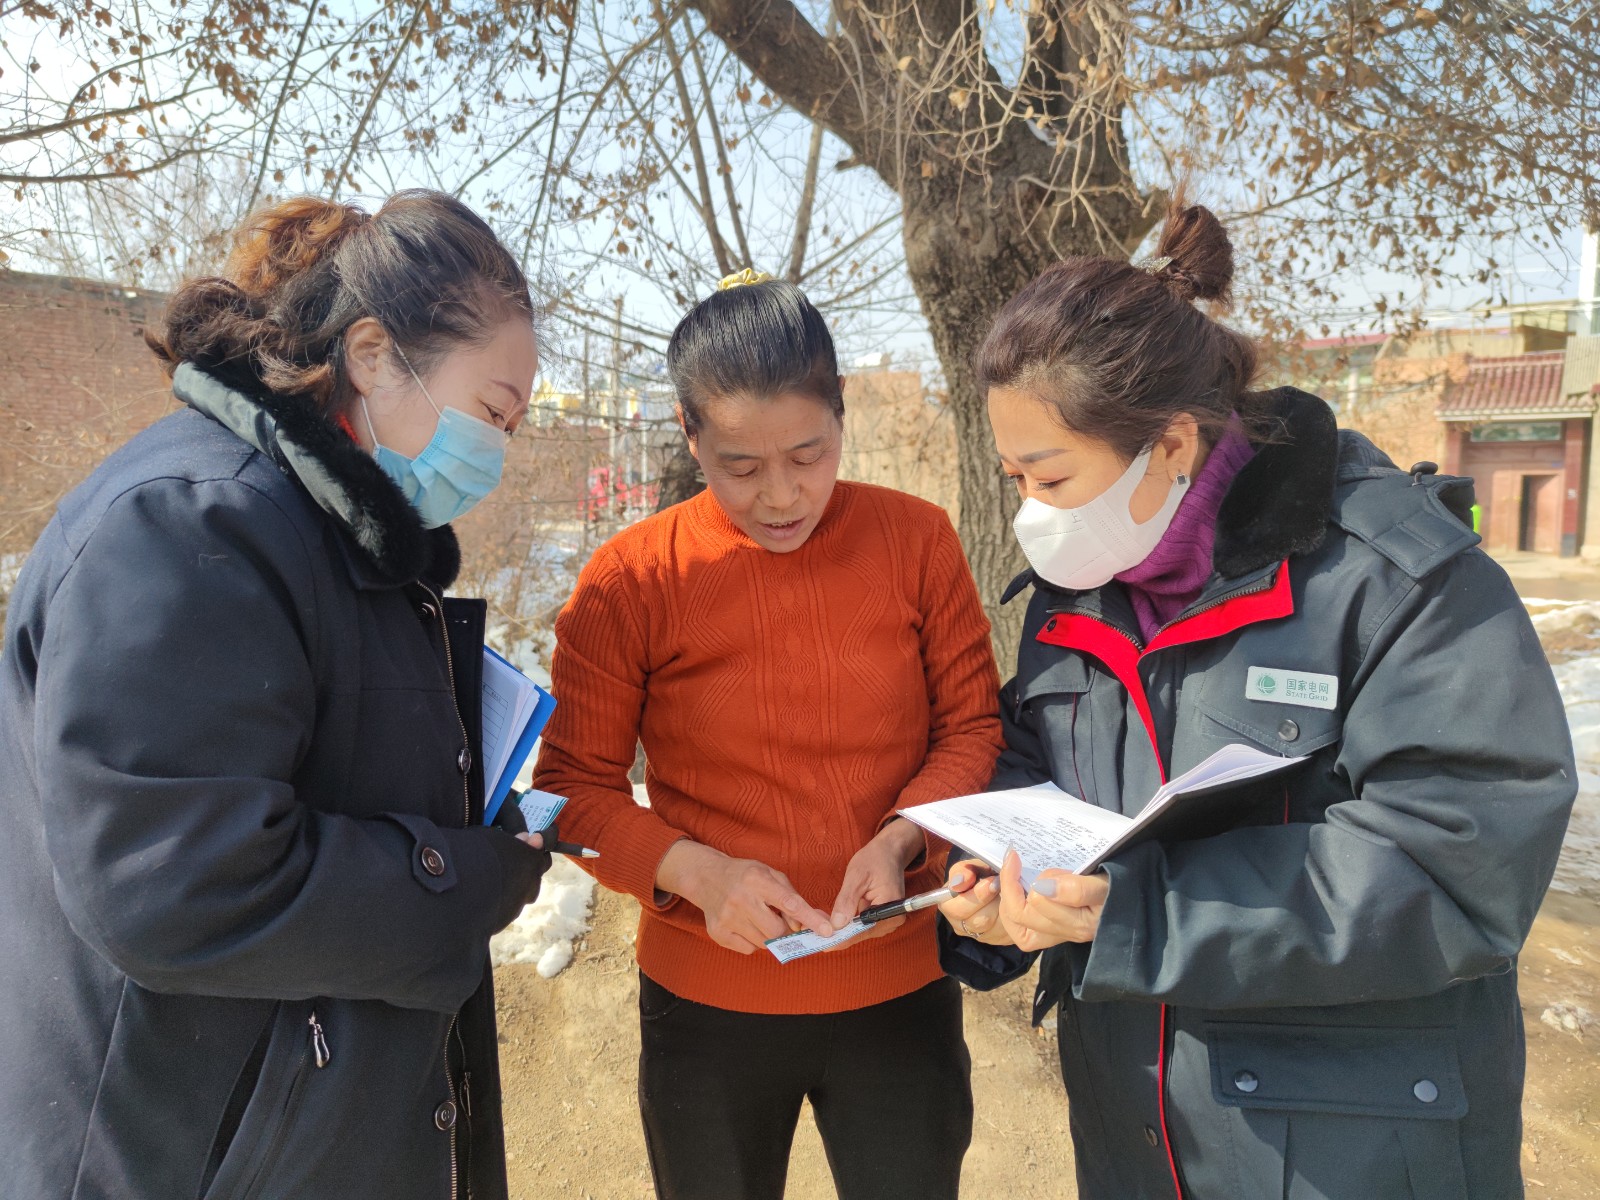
740	278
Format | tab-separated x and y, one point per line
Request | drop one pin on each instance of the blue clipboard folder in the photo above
515	712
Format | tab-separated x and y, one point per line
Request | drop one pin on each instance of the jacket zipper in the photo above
1161	1059
450	1081
466	820
320	1053
1261	585
450	673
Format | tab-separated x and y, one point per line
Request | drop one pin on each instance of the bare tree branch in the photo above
723	169
277	109
780	47
691	129
342	175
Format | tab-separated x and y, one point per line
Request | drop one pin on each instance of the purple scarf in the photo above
1168	581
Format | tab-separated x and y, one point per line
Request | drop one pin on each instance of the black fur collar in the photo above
391	546
1281	501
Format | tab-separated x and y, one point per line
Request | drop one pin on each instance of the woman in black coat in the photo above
246	891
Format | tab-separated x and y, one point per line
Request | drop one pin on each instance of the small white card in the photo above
1305	688
540	809
799	945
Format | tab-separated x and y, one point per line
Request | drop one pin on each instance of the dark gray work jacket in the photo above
1319	1003
245	903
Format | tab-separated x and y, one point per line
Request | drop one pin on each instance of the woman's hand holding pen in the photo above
745	902
974	911
876	875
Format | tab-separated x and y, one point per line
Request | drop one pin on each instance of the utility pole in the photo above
583	481
1589	283
615	403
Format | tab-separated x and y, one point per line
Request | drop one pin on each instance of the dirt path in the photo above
1561	1012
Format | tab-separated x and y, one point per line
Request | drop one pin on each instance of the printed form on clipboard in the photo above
1054	830
515	712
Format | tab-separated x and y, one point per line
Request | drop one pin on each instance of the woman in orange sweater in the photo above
799	657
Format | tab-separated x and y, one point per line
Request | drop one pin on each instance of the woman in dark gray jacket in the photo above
246	890
1320	1001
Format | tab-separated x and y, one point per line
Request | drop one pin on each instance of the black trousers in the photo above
720	1093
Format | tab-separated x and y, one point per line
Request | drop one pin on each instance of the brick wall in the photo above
1398	410
76	381
894	436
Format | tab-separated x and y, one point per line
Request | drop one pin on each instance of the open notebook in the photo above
515	711
1052	829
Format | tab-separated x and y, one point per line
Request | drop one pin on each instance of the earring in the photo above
1183	480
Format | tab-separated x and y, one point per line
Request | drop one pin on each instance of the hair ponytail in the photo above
288	240
1200	265
759	339
301	272
1118	350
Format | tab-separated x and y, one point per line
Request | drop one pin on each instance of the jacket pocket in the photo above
247	1159
1342	1111
1277	728
244	1088
655	1001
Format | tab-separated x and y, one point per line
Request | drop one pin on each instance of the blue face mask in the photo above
457	469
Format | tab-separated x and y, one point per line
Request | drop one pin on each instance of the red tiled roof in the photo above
1524	385
1358	339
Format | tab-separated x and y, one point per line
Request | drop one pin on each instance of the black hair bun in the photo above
1201	266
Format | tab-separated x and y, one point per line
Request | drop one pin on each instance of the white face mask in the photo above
1082	548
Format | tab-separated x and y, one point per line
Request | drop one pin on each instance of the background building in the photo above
76	381
1526	445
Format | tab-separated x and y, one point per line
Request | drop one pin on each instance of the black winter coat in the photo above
1321	1002
245	901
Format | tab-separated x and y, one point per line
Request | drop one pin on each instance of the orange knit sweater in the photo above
787	704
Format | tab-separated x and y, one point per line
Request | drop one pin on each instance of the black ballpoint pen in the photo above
900	908
572	850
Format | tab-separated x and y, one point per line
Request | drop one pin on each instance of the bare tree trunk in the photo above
681	480
964	267
986	508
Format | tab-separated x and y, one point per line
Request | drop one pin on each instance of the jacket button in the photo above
429	611
445	1115
1288	730
1150	1134
1246	1082
1426	1090
432	861
464	760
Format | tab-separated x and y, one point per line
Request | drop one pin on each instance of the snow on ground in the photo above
1568	625
545	931
1551	617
